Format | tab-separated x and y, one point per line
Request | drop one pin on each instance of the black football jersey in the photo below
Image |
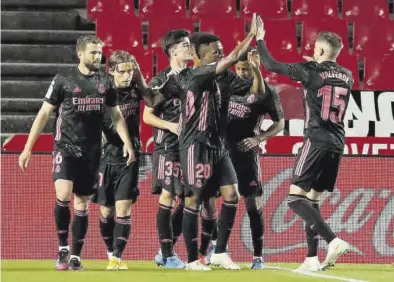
129	102
80	101
201	109
246	113
169	110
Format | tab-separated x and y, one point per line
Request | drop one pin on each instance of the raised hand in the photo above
260	33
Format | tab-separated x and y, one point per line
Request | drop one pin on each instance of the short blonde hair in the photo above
333	40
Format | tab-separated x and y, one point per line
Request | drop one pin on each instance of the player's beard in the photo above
92	66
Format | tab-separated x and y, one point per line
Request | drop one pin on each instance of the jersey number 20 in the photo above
333	98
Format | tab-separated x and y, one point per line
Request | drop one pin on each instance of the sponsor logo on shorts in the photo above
167	181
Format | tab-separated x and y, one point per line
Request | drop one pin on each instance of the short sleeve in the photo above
273	106
111	95
209	69
55	93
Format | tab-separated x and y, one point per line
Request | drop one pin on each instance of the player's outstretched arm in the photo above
38	125
258	85
121	128
150	118
227	62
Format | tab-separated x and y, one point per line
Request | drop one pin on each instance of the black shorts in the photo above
205	170
167	173
81	169
117	182
315	168
247	168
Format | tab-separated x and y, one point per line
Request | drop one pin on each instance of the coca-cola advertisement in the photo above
361	211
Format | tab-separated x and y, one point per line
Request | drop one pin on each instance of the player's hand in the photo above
173	127
254	58
260	29
128	152
248	144
24	159
253	25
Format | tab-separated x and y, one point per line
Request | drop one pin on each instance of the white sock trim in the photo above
64	248
77	257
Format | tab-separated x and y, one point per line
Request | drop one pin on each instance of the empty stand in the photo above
162	8
93	7
162	61
157	28
271	9
311	28
281	35
120	31
312	9
373	37
215	9
379	72
351	63
230	31
365	9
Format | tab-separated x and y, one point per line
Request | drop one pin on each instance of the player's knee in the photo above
106	212
123	208
81	203
230	193
64	189
252	204
166	198
209	206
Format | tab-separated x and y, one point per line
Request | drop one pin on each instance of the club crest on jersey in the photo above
251	99
101	88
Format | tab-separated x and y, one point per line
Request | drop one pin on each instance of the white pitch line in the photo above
315	274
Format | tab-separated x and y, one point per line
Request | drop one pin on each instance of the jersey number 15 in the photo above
333	104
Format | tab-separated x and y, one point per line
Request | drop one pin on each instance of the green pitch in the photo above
43	271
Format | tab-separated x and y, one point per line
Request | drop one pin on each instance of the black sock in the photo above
190	233
107	226
257	230
215	231
79	229
62	219
164	228
121	234
226	222
208	220
311	236
176	220
301	206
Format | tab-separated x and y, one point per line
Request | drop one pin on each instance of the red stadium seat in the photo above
379	72
271	9
119	32
162	61
109	8
351	63
374	37
158	28
230	31
312	9
311	28
356	9
213	9
281	35
93	7
159	8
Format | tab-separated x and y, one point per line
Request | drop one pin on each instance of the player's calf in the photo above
208	224
107	225
62	219
79	229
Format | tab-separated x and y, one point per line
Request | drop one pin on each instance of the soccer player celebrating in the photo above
229	84
205	163
167	173
244	135
118	182
79	96
327	87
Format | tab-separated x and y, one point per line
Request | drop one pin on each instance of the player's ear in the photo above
321	52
